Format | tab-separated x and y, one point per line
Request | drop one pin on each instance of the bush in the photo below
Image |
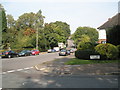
118	46
84	54
85	45
108	50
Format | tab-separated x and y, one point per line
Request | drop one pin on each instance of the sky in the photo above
76	13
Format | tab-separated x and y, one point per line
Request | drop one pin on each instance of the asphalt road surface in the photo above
20	73
27	62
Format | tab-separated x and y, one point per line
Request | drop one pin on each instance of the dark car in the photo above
63	52
25	53
35	52
9	54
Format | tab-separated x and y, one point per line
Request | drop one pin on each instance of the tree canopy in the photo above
85	34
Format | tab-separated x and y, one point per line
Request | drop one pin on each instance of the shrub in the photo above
84	54
118	46
108	50
85	45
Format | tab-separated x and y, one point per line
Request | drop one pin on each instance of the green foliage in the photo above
3	18
56	32
113	35
85	46
28	29
26	21
85	43
118	46
84	54
85	34
108	50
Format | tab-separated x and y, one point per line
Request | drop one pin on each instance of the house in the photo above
112	22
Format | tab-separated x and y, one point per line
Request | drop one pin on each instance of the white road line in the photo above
4	72
26	68
11	71
17	70
31	67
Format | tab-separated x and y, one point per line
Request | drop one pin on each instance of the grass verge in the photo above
75	61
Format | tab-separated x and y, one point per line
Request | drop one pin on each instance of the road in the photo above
27	62
20	73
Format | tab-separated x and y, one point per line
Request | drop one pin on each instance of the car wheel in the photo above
9	56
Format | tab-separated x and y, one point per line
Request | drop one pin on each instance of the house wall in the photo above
102	36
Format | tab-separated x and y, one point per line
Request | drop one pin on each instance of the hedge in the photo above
85	54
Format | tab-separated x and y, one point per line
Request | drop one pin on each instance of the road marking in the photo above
36	67
28	68
11	71
19	69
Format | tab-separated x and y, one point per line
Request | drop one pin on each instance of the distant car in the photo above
51	50
25	53
68	52
71	51
0	54
63	52
35	52
9	54
56	49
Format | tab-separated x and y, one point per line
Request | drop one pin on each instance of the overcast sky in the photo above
74	12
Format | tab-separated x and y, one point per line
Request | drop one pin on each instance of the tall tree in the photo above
91	32
3	25
26	21
56	32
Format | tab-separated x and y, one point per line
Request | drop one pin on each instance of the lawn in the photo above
75	61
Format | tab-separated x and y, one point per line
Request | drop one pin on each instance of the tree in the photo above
90	32
3	19
3	26
27	20
56	32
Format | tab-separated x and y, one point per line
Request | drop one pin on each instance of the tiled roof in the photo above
115	20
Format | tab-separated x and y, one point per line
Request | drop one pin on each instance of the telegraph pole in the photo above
37	38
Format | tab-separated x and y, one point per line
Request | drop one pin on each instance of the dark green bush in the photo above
84	54
118	46
108	50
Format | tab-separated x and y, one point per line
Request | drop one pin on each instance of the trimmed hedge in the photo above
85	54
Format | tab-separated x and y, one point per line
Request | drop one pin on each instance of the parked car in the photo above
0	54
25	53
35	52
51	50
63	52
9	54
68	52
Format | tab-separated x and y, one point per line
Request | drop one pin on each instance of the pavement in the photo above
57	67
